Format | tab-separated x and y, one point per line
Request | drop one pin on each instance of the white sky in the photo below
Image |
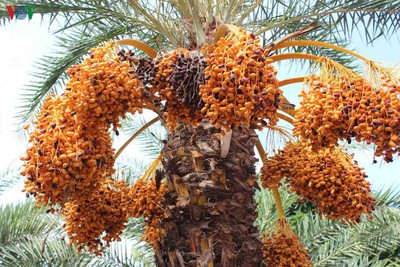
23	42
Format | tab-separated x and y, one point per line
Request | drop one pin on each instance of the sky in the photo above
23	42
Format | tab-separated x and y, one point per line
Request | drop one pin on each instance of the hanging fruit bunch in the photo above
240	86
98	220
71	150
70	162
274	169
105	85
334	182
322	118
66	157
183	72
147	203
342	108
330	179
380	122
175	77
283	248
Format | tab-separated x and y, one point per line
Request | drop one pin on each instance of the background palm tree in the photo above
84	24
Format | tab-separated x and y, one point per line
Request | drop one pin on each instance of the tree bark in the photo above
210	206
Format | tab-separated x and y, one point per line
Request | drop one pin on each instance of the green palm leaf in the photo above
332	243
150	141
10	176
33	237
159	23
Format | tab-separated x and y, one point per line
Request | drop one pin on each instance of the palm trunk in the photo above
210	208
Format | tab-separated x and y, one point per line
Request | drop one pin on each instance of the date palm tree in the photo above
209	223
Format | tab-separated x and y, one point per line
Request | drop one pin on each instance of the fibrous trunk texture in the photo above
210	207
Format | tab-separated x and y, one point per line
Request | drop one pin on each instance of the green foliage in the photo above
31	237
150	141
10	176
332	243
338	18
80	25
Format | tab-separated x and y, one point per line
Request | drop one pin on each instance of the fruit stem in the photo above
144	127
139	45
285	56
285	118
320	44
292	80
278	202
223	29
152	168
274	189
